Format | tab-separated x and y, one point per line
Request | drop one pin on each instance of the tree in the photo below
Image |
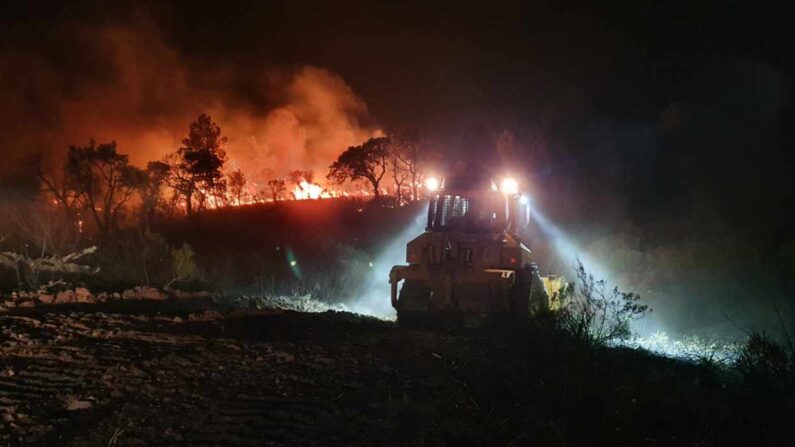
196	166
102	181
399	175
277	188
368	161
237	185
408	148
151	190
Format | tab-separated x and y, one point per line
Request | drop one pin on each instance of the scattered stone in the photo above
284	356
8	372
27	304
46	298
65	297
82	295
150	293
74	405
176	293
207	315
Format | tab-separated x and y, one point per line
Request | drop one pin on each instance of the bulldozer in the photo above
469	268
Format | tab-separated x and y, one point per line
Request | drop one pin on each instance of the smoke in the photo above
373	297
126	83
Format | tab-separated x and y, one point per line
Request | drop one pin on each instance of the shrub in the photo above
765	363
183	264
133	258
595	314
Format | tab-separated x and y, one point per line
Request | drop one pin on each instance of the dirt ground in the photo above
139	373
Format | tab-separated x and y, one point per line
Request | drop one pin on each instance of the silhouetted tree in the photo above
196	166
102	181
368	161
400	174
237	185
151	191
408	149
277	188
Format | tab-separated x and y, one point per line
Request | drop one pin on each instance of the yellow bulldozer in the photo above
469	267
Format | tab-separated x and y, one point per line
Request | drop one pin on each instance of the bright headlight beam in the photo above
509	185
432	184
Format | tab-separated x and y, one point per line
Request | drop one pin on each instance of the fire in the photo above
306	190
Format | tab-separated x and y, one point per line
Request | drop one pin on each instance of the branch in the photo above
53	264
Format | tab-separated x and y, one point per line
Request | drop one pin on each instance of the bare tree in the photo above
101	181
277	188
399	175
237	185
408	149
151	190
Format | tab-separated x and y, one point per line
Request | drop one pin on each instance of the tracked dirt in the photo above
136	375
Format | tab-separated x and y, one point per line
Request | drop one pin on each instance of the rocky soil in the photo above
160	373
141	372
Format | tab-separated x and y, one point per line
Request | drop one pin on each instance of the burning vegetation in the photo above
96	198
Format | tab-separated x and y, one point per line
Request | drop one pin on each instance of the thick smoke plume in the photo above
126	83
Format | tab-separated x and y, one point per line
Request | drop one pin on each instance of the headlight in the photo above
432	184
509	185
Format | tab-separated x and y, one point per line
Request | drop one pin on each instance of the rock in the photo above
129	294
8	372
284	356
9	304
75	404
82	295
324	361
65	297
207	315
46	298
27	304
150	293
176	293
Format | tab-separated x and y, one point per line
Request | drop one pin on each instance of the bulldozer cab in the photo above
470	205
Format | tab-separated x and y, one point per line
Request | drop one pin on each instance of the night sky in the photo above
662	121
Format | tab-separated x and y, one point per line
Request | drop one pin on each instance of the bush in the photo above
183	264
595	314
766	364
132	258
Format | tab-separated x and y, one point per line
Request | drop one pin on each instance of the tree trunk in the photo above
188	202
